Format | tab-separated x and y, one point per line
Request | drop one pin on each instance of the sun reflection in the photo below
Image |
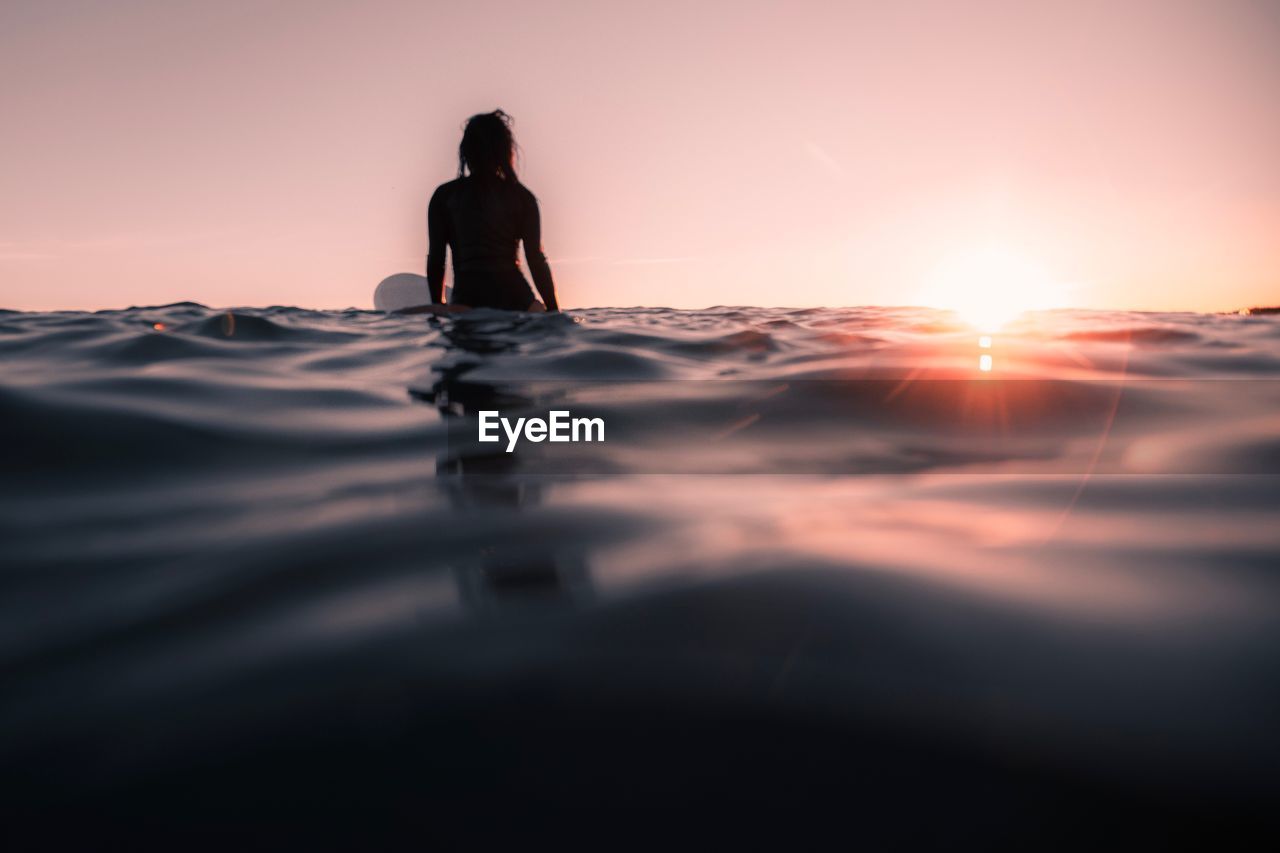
985	361
991	286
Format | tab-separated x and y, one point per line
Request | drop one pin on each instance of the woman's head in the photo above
488	148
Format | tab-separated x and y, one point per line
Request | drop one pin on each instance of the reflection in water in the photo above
485	482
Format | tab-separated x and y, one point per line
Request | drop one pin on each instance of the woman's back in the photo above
485	222
483	217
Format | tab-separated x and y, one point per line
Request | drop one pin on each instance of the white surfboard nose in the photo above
400	291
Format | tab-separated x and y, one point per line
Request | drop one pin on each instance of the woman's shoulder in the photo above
447	188
526	194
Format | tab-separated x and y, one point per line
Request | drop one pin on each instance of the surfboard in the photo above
408	292
400	291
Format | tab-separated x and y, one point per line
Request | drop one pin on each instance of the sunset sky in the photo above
686	154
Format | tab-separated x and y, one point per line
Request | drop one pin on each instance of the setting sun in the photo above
990	286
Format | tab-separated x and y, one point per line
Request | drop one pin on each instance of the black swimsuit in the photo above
483	223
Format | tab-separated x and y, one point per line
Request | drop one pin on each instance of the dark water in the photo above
825	571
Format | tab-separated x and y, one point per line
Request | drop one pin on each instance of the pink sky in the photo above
686	154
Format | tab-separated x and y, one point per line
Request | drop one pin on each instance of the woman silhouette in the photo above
483	216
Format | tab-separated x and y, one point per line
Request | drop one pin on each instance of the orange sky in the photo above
686	154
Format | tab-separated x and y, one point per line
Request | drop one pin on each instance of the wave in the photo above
232	535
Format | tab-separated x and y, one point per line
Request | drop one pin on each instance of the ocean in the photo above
864	568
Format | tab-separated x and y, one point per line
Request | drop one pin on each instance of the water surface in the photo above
829	564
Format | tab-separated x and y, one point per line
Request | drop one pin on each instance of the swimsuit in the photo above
483	223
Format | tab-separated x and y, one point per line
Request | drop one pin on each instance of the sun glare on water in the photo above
991	286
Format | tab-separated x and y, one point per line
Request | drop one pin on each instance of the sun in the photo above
990	286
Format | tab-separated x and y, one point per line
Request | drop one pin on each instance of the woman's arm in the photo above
535	257
437	239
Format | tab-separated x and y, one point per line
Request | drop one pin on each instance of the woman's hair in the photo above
488	148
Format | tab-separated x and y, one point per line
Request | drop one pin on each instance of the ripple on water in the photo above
253	529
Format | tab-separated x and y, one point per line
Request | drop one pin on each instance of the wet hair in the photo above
488	148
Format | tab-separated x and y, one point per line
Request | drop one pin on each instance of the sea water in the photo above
254	559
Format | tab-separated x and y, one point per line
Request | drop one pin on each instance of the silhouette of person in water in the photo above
482	217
